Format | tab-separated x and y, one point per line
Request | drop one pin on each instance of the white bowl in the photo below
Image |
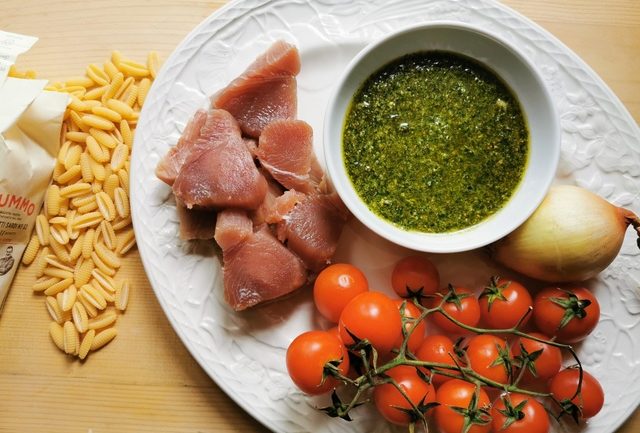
513	68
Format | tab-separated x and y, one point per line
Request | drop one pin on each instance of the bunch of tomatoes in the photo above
461	377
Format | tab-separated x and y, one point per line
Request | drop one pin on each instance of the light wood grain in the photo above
145	380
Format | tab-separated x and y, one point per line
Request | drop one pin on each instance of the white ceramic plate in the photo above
244	353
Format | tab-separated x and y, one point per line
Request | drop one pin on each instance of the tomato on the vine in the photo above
489	356
410	311
570	314
372	316
518	413
462	305
335	287
589	400
393	406
437	348
540	360
462	402
415	275
503	303
309	357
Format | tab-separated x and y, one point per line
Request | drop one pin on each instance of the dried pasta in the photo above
79	316
40	262
85	226
42	229
53	200
71	340
54	309
108	234
110	184
31	251
122	296
87	343
68	298
103	338
57	335
106	206
44	283
83	273
104	320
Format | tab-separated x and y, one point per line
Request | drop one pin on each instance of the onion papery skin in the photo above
572	236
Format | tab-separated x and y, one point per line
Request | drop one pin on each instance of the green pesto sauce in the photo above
435	142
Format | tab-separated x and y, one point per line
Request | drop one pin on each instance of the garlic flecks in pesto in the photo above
435	142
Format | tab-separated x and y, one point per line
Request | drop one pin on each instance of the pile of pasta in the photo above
85	226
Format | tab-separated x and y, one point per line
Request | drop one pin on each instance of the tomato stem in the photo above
374	374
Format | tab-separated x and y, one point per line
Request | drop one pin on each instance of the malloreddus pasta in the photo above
85	225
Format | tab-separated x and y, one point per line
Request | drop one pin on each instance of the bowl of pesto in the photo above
441	137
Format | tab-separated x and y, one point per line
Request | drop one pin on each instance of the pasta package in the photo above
30	125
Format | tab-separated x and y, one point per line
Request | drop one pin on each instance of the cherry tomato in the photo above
437	348
458	393
462	306
569	314
372	316
389	401
410	311
519	413
335	286
490	357
503	303
307	356
415	275
591	397
335	331
546	365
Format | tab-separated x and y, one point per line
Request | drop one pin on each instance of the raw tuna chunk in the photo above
274	190
283	205
285	149
220	172
169	167
256	266
265	92
232	228
251	144
196	223
313	227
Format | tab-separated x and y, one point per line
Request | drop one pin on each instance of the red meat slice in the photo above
196	223
168	168
284	204
232	228
256	266
265	92
313	227
285	149
274	190
220	171
252	145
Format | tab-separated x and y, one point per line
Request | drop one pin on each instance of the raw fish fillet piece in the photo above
266	90
277	203
196	223
232	228
283	205
313	227
168	168
274	190
257	268
220	171
285	149
252	145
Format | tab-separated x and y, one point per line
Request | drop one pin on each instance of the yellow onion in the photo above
572	236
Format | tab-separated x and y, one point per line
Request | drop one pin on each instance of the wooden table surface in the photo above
146	380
